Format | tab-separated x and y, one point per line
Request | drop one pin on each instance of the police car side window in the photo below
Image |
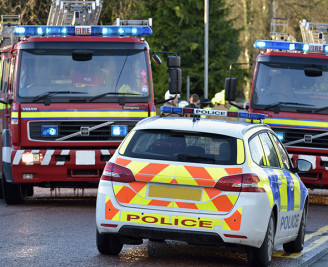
256	150
283	154
269	150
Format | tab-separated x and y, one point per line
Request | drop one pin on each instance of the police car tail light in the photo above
117	173
239	183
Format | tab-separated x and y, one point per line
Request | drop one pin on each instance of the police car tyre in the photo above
108	244
263	256
13	193
298	244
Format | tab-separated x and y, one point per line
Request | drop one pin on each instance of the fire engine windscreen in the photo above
116	72
290	87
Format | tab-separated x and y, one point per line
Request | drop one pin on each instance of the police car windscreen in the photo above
120	71
182	147
291	86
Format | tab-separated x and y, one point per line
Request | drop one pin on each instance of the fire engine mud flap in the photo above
191	237
7	174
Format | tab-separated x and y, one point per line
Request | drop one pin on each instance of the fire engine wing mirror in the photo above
303	166
157	59
82	55
175	80
313	72
230	89
10	101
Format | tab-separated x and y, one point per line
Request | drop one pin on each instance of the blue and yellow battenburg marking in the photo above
212	112
90	114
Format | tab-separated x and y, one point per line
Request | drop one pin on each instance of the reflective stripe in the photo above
240	151
111	213
64	152
141	114
6	154
297	123
234	221
126	142
47	157
18	157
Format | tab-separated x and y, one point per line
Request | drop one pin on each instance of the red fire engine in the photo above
69	95
290	86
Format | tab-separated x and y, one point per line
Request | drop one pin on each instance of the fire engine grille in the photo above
66	128
309	135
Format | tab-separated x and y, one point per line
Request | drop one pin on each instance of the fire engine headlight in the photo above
49	130
29	157
281	136
119	130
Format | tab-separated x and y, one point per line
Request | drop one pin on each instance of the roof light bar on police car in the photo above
291	46
212	112
83	30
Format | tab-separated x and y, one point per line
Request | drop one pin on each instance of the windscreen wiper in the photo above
285	103
320	109
49	93
111	93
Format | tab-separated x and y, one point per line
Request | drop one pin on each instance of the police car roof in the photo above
231	128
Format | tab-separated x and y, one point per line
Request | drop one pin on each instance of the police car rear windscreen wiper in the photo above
199	159
110	93
49	93
285	103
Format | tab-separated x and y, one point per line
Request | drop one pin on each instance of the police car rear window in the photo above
182	147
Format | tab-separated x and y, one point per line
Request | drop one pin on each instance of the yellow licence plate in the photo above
175	192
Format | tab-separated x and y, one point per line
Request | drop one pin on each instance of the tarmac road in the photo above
60	231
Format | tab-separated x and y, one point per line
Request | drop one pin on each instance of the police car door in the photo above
280	182
291	198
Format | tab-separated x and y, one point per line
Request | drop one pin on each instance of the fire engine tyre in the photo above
298	244
13	193
108	244
263	256
1	190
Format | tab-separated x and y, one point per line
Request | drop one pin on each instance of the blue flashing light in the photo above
291	46
84	30
119	130
281	136
212	112
49	130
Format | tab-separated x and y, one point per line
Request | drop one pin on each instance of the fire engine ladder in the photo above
279	30
7	26
312	32
74	12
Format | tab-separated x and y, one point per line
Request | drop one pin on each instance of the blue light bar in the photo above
83	30
212	112
291	46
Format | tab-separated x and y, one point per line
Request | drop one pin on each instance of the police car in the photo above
203	181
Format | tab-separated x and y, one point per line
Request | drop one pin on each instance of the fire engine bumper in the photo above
58	165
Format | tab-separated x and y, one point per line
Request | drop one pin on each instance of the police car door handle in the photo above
279	183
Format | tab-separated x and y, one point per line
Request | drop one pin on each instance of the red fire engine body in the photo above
67	102
291	88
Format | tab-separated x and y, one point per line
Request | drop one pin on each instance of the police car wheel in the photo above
263	256
108	244
298	244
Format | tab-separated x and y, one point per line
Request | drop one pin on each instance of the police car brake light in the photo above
212	112
117	173
43	30
291	46
239	183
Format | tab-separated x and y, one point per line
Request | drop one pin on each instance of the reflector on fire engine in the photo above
291	46
83	30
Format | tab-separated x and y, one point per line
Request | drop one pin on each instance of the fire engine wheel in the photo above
108	244
13	193
298	244
263	256
1	190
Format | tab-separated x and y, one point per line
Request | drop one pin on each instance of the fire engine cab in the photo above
290	86
69	95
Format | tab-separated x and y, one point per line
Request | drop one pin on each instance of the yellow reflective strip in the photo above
166	175
139	200
116	217
240	151
2	106
183	176
84	114
297	193
107	198
206	206
283	191
186	181
216	173
152	113
143	191
322	124
225	226
233	199
14	114
126	142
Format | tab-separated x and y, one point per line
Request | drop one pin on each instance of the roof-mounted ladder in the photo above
279	30
313	32
74	12
7	26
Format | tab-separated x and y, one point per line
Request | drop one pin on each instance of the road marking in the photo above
315	244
